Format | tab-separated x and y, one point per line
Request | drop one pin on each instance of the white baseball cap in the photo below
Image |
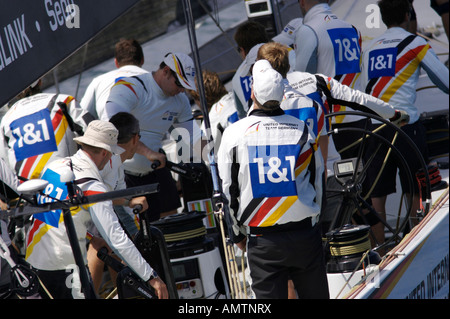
287	36
101	134
267	83
183	66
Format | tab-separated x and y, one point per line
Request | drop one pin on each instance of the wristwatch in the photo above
153	275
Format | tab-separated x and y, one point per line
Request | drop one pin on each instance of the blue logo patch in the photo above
34	135
307	115
55	189
347	51
272	170
382	62
246	85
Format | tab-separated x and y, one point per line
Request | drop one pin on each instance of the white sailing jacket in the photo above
97	92
35	131
327	45
222	114
48	247
271	171
391	69
334	96
242	79
304	108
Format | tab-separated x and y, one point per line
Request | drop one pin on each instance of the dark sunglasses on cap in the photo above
177	82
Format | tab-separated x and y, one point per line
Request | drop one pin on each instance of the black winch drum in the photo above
185	234
347	246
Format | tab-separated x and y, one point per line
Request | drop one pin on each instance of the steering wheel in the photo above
354	189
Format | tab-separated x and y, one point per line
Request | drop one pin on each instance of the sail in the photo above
35	36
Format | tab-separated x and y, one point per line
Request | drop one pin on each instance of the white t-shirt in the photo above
156	112
96	95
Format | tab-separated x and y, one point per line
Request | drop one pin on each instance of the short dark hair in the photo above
250	34
393	11
127	125
128	52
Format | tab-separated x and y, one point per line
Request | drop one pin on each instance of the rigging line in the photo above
81	69
350	10
382	167
227	37
360	139
347	282
437	41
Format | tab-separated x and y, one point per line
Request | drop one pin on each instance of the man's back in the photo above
273	156
37	129
48	247
391	68
242	82
97	92
327	45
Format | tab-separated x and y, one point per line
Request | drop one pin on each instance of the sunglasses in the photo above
177	82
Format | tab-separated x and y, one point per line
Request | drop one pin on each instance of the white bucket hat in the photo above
183	66
267	83
101	134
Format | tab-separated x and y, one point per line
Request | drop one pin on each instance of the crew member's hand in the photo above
242	243
3	205
157	157
98	242
151	155
160	288
141	200
400	118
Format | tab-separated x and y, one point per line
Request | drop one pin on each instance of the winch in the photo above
196	261
347	245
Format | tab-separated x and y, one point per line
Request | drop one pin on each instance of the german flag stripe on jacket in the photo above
392	64
271	171
36	131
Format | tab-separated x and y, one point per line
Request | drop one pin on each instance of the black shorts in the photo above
387	181
166	199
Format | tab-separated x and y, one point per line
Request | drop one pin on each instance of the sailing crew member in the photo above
391	66
294	102
128	59
159	101
327	45
39	128
220	103
249	37
114	177
272	176
48	247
